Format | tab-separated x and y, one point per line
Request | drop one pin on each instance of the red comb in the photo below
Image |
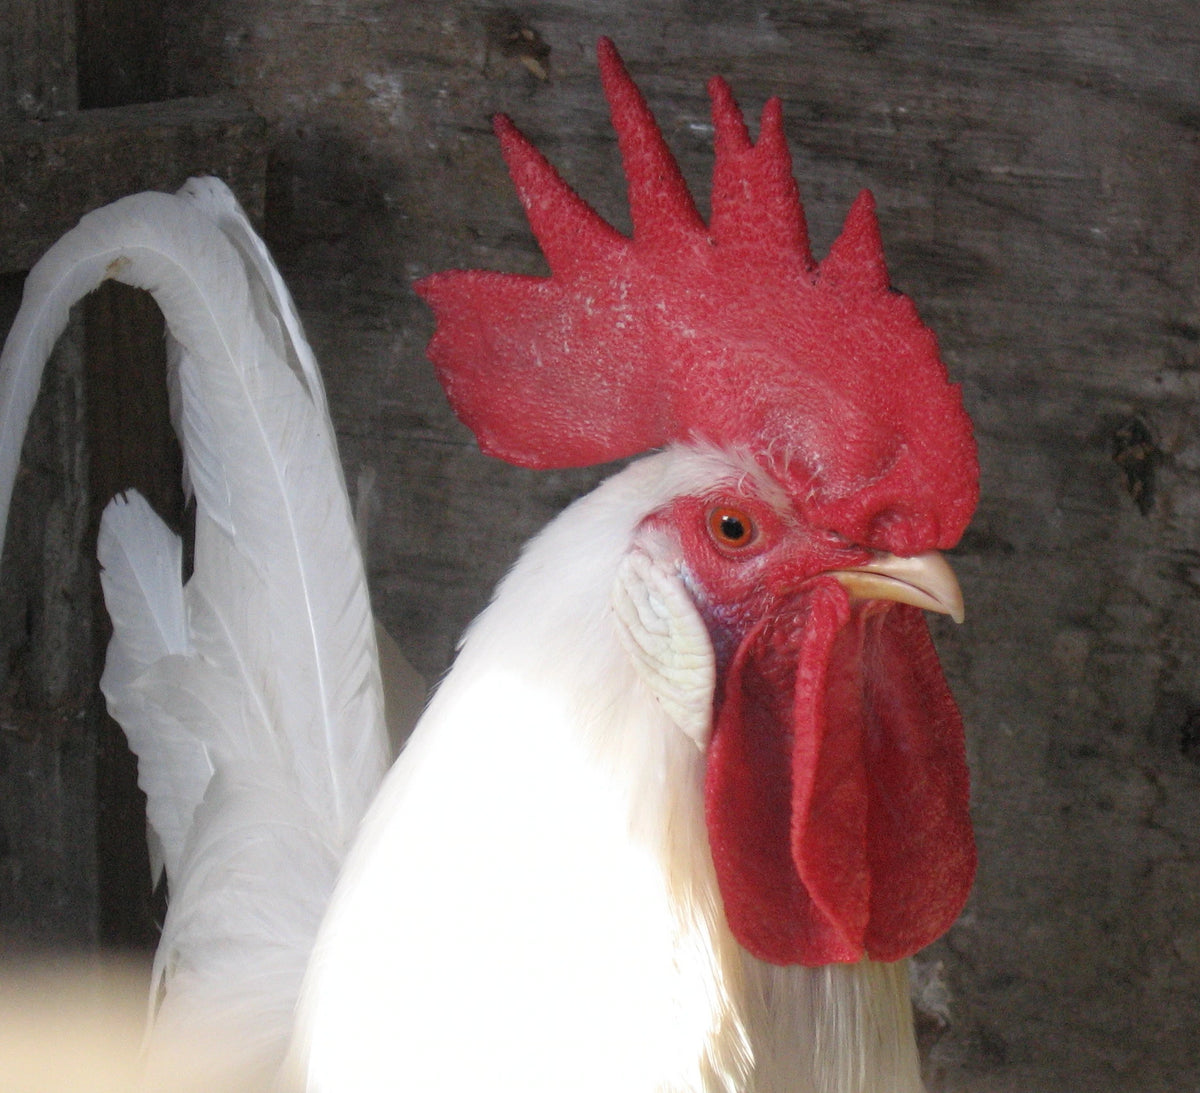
727	332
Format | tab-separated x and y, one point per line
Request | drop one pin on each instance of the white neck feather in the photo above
835	1029
569	916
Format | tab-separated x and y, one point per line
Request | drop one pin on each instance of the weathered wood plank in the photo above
37	57
52	172
48	709
130	445
120	57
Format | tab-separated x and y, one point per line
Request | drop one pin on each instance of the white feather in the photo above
260	724
538	930
274	309
213	197
532	904
141	562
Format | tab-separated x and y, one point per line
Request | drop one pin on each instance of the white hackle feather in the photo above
252	695
532	904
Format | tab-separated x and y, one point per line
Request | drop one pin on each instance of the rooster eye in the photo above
731	527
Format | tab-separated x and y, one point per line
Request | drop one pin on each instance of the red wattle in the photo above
836	788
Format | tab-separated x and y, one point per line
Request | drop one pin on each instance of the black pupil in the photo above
732	528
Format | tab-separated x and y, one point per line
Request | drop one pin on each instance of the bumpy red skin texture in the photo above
727	332
837	787
837	791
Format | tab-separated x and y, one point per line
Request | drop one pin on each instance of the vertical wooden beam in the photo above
37	57
120	52
131	446
48	870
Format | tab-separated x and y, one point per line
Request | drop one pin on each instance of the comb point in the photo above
569	231
660	203
855	259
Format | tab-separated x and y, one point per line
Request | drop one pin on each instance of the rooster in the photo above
695	787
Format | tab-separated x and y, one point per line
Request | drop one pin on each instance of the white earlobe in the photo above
667	641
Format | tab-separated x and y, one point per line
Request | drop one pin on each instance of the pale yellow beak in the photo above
925	580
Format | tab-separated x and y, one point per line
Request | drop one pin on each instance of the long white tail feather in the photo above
274	310
213	197
253	696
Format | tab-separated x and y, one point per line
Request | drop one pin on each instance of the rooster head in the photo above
836	789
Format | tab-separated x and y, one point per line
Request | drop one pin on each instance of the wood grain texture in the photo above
48	707
53	171
37	58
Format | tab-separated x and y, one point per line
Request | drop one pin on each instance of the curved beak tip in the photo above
923	580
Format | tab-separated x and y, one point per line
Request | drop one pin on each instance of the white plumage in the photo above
542	841
252	696
531	904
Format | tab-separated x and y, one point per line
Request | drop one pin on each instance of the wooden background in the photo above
1037	169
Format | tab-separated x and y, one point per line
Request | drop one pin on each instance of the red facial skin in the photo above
836	790
737	584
